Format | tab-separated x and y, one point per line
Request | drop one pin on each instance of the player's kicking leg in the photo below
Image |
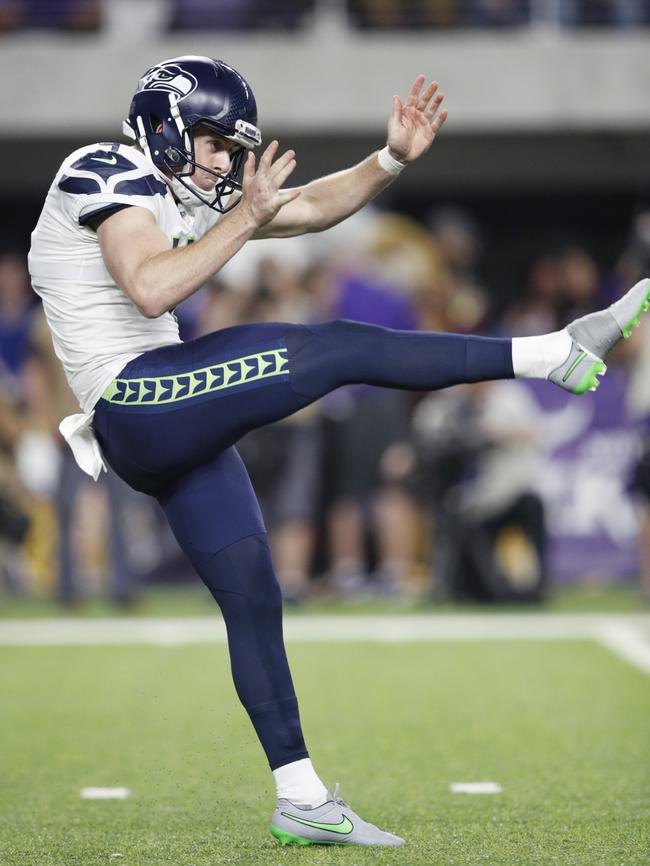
573	358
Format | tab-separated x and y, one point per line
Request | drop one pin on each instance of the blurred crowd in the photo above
368	493
147	17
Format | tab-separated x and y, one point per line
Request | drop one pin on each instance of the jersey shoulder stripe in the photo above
148	185
106	169
105	163
79	185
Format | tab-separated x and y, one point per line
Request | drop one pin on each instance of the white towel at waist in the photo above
77	430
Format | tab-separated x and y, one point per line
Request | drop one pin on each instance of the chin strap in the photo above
141	138
185	194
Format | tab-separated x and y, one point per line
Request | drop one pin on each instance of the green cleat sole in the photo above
285	838
590	380
636	319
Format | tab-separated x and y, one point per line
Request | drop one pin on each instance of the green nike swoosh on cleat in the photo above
111	161
574	365
344	826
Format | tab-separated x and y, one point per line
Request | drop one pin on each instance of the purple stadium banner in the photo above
590	453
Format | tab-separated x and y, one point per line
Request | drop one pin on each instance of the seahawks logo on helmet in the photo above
169	77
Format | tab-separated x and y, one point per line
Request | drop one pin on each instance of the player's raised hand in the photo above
262	193
412	127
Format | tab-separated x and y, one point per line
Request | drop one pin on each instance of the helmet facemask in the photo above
181	163
163	119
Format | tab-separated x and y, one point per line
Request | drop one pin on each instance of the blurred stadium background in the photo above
533	207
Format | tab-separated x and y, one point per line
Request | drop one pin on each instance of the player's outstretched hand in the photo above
262	193
412	127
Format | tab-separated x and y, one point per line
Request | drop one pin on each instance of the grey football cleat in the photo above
332	823
580	371
600	332
595	335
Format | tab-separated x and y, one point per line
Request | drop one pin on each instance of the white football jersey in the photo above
96	328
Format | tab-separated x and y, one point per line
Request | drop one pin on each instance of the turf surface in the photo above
563	727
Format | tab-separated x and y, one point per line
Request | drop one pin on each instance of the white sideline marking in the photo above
475	788
629	643
623	634
105	794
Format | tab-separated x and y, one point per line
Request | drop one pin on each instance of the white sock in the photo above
536	357
299	783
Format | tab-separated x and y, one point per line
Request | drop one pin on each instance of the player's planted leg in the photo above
216	519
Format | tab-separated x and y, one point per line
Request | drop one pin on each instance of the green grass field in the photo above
562	726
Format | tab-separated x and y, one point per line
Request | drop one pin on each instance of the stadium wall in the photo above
333	79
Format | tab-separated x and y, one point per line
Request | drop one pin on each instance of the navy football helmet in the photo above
175	96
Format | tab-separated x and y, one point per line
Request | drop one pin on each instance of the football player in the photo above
127	232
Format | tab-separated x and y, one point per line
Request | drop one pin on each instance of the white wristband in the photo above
389	163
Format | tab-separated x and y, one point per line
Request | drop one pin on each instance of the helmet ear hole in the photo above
156	124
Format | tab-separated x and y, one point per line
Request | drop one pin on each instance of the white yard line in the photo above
475	788
623	634
105	793
629	642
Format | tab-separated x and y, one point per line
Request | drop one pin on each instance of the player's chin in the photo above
204	181
207	184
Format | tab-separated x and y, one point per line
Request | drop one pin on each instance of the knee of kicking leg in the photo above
344	329
334	355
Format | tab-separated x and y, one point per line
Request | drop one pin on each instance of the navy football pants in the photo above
168	424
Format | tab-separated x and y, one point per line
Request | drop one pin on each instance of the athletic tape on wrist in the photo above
389	163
